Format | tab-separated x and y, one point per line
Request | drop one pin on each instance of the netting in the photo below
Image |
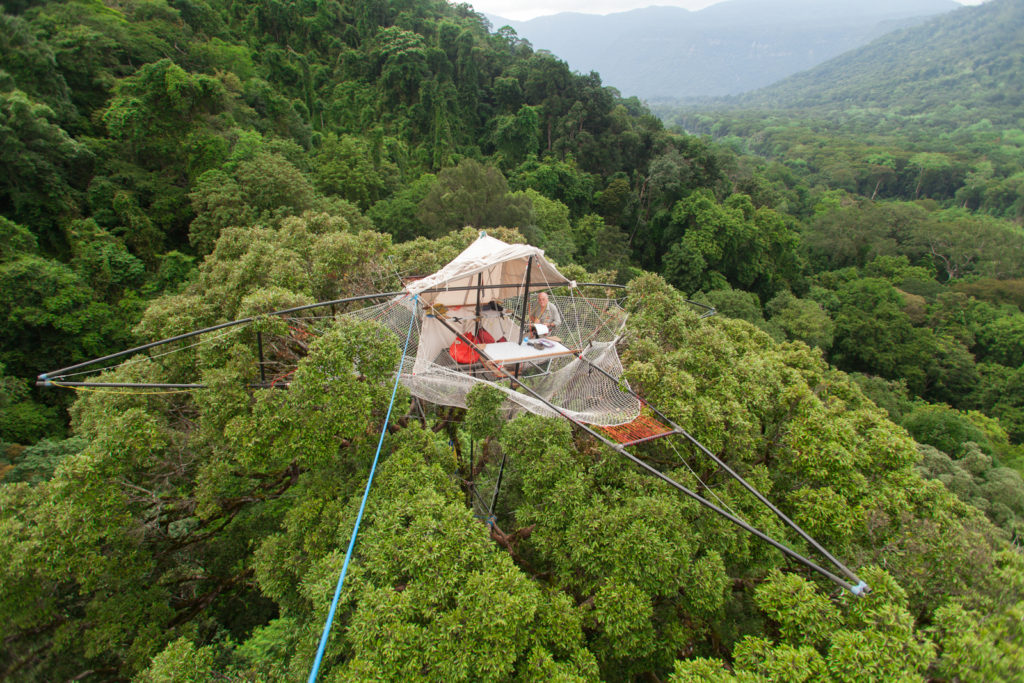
570	379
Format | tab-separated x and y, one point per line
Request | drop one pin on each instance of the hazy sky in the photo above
521	10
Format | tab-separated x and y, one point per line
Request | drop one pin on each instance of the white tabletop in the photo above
510	352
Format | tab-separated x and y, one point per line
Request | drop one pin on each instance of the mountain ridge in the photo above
724	49
970	58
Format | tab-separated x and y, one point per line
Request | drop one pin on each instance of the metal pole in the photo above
466	288
735	520
479	290
118	385
600	284
259	346
692	494
721	463
526	300
55	374
497	487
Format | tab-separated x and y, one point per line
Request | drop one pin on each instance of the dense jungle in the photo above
174	164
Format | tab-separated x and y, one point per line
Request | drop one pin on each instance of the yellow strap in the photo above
97	390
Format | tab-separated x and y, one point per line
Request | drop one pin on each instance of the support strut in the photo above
860	588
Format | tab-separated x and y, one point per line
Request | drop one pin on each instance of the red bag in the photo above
484	337
461	352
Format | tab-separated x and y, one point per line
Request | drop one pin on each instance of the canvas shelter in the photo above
470	294
489	268
491	287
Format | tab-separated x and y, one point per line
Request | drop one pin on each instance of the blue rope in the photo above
362	506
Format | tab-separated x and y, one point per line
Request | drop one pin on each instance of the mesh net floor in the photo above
570	382
643	428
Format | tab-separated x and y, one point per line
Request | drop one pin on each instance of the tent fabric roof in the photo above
498	263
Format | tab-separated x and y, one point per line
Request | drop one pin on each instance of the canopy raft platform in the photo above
474	322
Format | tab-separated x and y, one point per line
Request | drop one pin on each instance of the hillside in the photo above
927	112
968	63
727	48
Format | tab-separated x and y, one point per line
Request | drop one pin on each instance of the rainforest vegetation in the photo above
173	164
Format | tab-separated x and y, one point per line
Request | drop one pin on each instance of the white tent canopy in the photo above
496	269
455	300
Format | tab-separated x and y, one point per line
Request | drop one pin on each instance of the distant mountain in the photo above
969	63
728	48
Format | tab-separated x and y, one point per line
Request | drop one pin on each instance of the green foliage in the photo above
474	195
273	184
48	305
781	662
922	112
960	244
167	124
345	167
874	333
555	179
1002	340
736	303
945	428
803	616
313	256
182	662
754	249
185	507
994	291
517	136
982	641
549	227
31	62
891	396
802	319
870	639
431	582
44	166
1000	394
635	561
484	417
976	479
155	105
599	245
39	461
823	441
955	62
347	362
102	261
397	215
219	203
22	419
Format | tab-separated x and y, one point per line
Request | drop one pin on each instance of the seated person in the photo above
547	314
